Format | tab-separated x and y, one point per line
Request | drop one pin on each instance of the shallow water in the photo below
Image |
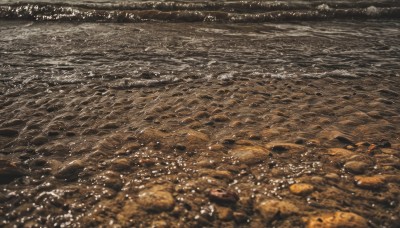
164	124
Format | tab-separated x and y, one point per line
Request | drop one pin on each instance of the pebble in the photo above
120	164
224	213
8	132
223	196
301	189
332	177
39	140
9	172
270	209
337	220
282	147
249	154
340	152
356	167
70	171
373	182
156	199
220	118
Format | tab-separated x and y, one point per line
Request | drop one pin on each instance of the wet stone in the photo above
332	177
301	189
223	196
337	219
356	167
39	140
8	132
373	182
70	171
249	154
281	147
272	209
220	118
120	164
224	213
9	172
156	199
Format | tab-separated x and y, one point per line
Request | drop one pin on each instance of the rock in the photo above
356	167
281	147
218	174
111	125
223	196
340	152
111	180
240	217
373	182
120	164
12	123
9	172
220	118
39	140
156	199
336	135
332	177
337	220
151	135
272	209
249	154
196	137
70	171
8	132
224	213
129	211
159	224
301	189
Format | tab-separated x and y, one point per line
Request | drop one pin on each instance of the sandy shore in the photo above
244	151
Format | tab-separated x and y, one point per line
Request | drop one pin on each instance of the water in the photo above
104	103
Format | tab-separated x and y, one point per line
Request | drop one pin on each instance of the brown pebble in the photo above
223	196
220	118
70	171
39	140
249	154
356	167
269	209
8	132
337	220
373	182
301	189
9	172
224	213
332	177
156	200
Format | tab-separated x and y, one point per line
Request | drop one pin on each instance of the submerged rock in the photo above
373	182
356	167
9	172
70	171
301	189
156	199
223	196
249	154
271	209
337	220
282	147
8	132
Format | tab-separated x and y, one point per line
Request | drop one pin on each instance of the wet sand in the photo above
247	150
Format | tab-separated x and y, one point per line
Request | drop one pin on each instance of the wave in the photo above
236	12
